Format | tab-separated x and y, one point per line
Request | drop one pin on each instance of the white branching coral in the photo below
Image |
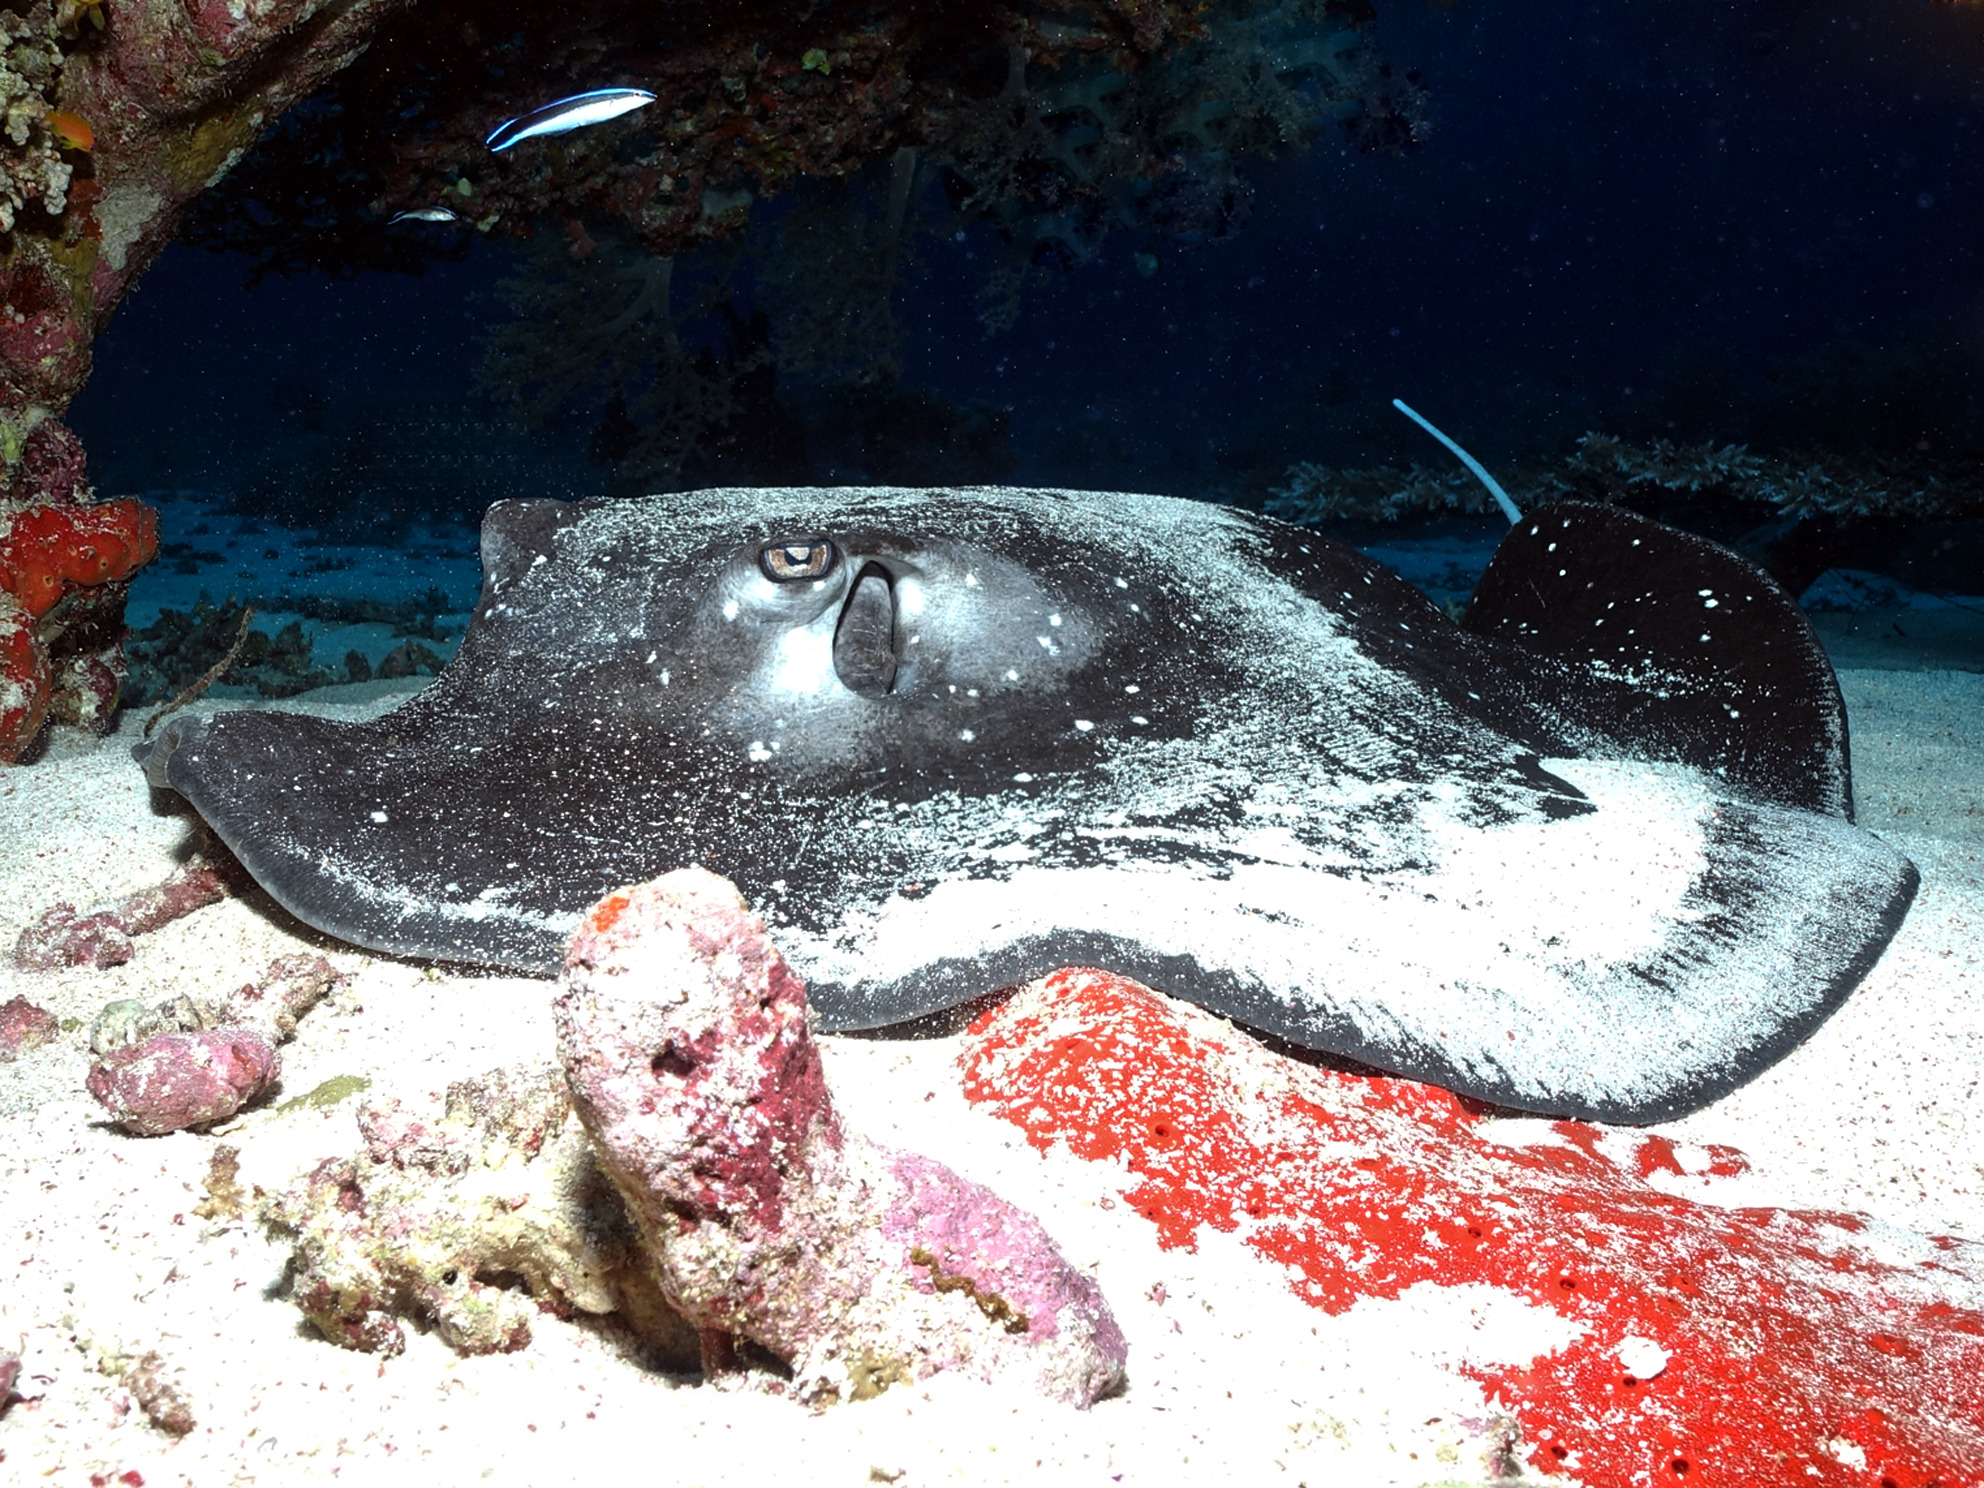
31	165
1608	469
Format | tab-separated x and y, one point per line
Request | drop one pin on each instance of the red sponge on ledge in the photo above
46	550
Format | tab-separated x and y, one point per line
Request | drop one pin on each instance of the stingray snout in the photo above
865	655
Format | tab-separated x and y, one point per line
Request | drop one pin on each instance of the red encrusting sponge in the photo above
43	549
46	549
1773	1347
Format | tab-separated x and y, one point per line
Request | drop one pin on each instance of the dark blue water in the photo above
1749	222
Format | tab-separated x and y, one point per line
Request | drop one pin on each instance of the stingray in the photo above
1589	853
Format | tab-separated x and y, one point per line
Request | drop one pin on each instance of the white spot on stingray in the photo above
540	558
1138	718
1122	583
730	609
971	581
1011	675
1133	688
664	676
1023	778
758	753
651	657
1083	724
379	816
1710	604
1053	619
967	735
1704	635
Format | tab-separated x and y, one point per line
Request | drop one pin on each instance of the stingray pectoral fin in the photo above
1630	963
1629	966
1698	656
382	846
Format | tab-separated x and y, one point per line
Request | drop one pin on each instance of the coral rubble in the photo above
190	1063
24	1026
290	987
64	937
683	1034
444	1211
177	1080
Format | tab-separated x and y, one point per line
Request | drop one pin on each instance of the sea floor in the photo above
1233	1376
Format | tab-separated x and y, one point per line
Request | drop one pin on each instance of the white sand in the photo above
1232	1379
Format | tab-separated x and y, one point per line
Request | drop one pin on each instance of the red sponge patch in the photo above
1724	1348
45	548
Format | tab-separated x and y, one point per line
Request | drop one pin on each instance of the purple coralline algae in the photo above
64	937
684	1039
24	1026
177	1080
288	989
190	1062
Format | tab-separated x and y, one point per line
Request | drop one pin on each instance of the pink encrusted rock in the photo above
175	1080
24	1026
684	1040
64	937
10	1371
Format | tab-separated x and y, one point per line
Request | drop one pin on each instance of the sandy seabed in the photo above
1231	1377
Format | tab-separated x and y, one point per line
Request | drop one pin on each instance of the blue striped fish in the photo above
575	112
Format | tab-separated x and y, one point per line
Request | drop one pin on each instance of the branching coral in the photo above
33	170
1651	475
1319	493
1058	126
1068	152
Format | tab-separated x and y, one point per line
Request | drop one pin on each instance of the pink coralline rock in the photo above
10	1371
24	1026
64	937
172	1081
684	1040
271	1007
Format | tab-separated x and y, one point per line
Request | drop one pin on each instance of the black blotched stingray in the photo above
1591	854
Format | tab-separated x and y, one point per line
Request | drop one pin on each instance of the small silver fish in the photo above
575	112
424	214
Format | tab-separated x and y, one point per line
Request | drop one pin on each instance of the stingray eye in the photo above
788	562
